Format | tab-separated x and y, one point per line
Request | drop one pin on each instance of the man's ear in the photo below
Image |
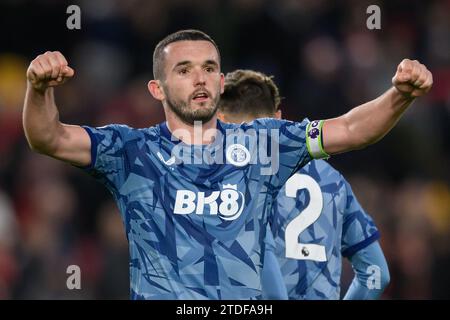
156	90
278	114
222	83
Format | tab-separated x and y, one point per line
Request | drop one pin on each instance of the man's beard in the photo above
183	110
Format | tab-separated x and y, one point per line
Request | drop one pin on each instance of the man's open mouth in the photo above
200	96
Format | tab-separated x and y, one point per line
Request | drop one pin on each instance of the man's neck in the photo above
199	133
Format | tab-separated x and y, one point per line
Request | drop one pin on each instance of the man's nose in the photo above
199	78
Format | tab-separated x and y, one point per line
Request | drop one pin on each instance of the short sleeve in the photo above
290	142
107	152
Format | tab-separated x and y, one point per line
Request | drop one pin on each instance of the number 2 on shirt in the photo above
305	218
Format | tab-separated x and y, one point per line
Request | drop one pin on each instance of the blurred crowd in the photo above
325	61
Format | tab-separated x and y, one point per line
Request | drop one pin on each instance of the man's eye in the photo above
209	69
183	71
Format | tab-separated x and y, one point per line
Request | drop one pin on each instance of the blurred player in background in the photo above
317	218
197	229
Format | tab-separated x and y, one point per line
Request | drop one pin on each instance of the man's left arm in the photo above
371	274
369	122
359	244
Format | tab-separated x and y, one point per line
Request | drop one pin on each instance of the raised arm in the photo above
369	122
44	132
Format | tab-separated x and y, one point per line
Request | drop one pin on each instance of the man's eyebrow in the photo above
187	63
182	63
211	62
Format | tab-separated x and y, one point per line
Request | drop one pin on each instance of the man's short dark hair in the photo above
250	93
182	35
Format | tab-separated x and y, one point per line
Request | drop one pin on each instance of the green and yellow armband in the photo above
314	140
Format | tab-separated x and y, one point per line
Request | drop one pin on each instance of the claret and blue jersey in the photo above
195	230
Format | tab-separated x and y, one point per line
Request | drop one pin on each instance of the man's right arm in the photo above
44	132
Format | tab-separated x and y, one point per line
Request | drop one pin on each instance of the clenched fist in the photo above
412	79
49	70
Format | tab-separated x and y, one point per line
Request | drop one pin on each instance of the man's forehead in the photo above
191	50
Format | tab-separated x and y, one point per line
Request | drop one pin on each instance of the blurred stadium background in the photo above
325	61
